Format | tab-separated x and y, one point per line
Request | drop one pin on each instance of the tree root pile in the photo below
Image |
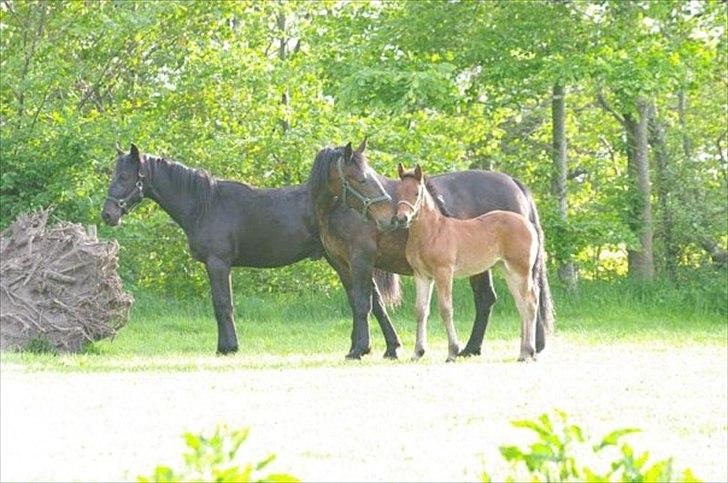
59	286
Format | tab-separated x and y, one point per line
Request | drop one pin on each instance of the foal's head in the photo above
126	188
410	194
357	185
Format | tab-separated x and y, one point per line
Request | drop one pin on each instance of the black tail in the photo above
545	321
388	284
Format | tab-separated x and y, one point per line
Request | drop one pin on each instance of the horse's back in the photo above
470	193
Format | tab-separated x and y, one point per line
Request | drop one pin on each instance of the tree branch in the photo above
605	105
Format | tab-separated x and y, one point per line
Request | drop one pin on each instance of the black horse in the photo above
228	224
351	201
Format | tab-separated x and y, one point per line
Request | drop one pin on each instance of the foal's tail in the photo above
388	284
545	319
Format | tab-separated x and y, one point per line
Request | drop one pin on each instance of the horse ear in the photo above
119	151
362	146
348	153
400	170
135	154
418	173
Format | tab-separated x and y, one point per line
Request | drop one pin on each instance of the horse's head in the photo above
127	185
410	192
358	186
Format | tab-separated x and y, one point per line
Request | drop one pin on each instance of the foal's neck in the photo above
428	217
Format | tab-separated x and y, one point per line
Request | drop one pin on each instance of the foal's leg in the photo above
222	301
443	280
422	311
526	298
484	297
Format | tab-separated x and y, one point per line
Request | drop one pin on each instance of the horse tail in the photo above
389	287
545	319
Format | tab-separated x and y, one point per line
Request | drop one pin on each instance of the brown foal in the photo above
441	248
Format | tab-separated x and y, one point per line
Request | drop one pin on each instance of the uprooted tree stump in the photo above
58	285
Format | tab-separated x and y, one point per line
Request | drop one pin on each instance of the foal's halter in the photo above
364	199
418	202
129	202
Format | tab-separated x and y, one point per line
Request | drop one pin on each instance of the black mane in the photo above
198	182
318	180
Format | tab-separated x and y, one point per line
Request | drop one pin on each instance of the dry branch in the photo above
49	294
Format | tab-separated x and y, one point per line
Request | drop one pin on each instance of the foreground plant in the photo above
562	452
216	459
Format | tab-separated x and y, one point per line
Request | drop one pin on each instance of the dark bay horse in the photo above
228	224
358	234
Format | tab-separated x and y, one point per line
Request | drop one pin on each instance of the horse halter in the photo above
126	204
365	200
418	202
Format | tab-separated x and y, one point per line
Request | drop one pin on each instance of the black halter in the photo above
134	198
365	200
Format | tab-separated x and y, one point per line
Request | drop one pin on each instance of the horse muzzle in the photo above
111	214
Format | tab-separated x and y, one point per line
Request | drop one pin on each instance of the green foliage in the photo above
452	85
563	452
215	458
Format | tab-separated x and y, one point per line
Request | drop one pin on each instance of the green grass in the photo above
284	330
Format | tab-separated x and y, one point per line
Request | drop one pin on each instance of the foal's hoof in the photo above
469	352
526	357
417	355
225	350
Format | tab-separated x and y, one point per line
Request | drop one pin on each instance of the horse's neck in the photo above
427	219
178	204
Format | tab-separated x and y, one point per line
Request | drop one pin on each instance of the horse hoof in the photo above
353	356
391	353
225	350
469	352
417	355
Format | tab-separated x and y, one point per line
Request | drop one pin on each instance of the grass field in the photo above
303	329
652	357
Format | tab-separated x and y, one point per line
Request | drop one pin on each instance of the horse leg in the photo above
385	323
443	281
526	298
222	301
361	294
423	286
484	297
342	270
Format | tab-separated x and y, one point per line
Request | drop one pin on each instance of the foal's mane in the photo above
198	182
434	193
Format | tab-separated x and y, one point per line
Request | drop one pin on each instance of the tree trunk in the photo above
641	262
283	55
663	182
681	108
566	270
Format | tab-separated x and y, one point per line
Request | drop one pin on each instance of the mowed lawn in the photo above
652	357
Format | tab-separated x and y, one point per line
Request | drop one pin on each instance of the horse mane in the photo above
318	179
198	182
